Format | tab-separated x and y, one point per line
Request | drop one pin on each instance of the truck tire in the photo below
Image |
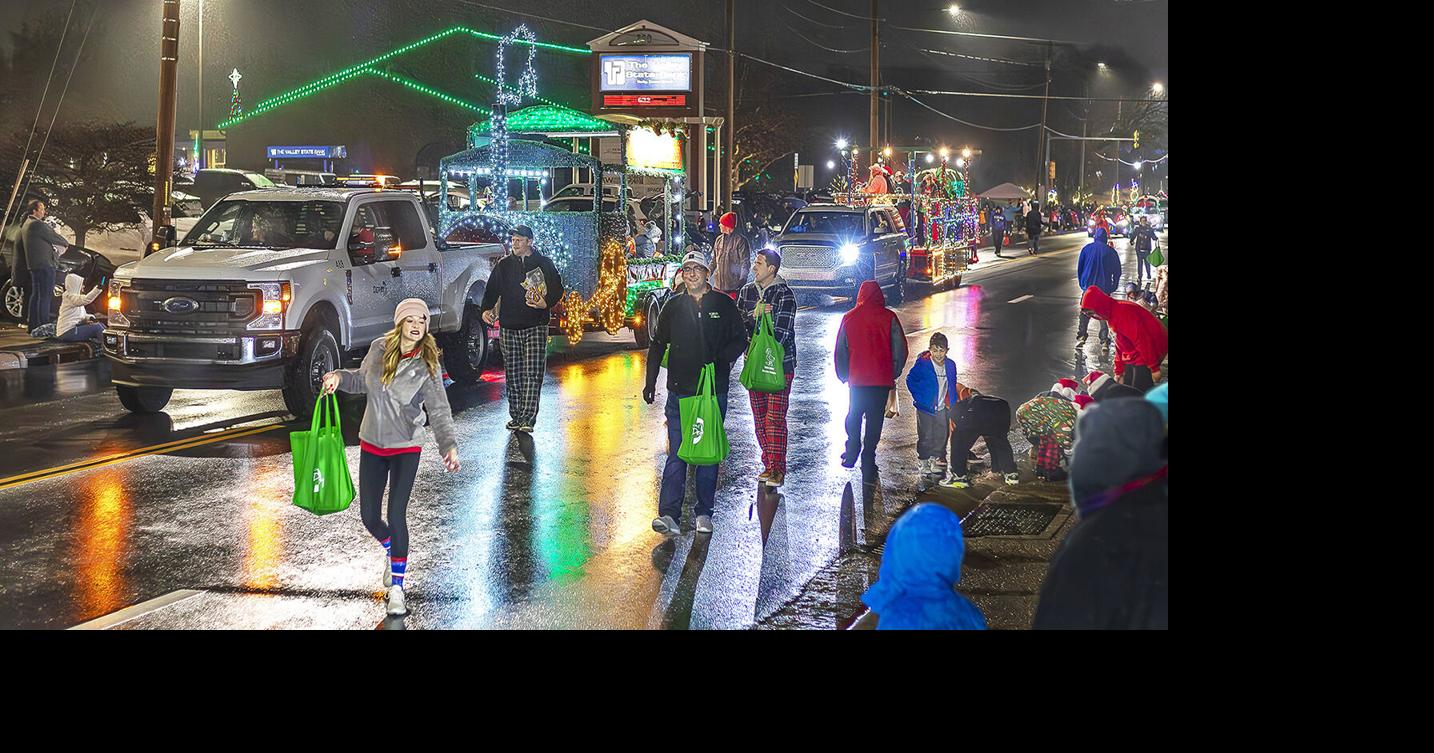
465	352
318	355
644	332
143	399
14	299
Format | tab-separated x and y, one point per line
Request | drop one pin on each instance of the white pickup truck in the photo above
272	288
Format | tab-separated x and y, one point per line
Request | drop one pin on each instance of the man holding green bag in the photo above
704	330
767	301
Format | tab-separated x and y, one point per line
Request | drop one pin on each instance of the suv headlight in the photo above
274	300
116	316
849	254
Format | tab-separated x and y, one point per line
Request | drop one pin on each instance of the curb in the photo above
67	353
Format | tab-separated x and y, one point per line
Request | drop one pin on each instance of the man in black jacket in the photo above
528	285
976	416
1034	224
42	248
701	326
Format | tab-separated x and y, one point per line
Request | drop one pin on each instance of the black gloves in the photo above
649	394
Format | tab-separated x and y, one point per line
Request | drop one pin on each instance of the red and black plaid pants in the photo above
769	417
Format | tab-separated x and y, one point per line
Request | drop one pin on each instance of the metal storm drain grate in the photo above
1010	519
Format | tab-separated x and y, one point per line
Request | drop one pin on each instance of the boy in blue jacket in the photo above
931	380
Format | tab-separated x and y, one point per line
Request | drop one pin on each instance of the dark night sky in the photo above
278	44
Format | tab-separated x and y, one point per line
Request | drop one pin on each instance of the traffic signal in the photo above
1137	140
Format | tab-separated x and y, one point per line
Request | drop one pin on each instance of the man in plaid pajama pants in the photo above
522	288
767	294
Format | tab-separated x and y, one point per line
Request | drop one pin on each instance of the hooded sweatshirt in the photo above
1099	264
916	587
1140	338
73	303
1113	571
394	416
871	346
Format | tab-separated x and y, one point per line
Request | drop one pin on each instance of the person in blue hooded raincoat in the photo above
1098	265
916	587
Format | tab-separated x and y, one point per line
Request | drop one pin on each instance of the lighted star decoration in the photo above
234	78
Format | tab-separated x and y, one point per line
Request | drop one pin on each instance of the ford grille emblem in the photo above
180	305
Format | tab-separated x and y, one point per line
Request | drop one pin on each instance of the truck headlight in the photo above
849	254
274	300
116	315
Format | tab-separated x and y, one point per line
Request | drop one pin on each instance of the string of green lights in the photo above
430	91
359	69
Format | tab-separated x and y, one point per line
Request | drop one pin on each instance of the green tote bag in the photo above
322	483
763	370
1156	258
704	439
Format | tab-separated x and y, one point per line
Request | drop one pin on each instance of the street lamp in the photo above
831	165
841	143
1138	164
960	162
954	10
966	153
1158	88
886	152
930	158
945	152
1101	65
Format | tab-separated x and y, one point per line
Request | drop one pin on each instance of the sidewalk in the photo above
18	350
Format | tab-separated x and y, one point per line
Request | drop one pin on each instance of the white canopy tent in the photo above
1006	192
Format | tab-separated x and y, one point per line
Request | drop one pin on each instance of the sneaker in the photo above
387	572
927	467
775	480
704	524
513	425
1012	479
525	428
764	476
666	526
958	482
847	462
1080	341
396	606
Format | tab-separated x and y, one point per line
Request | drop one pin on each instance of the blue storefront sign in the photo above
657	72
308	152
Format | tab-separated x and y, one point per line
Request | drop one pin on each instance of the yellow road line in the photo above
167	447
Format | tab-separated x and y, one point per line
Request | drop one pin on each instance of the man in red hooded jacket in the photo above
870	353
1140	339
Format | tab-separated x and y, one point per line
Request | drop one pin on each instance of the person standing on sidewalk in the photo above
931	380
1141	341
74	324
731	257
526	285
701	326
1142	239
976	416
402	378
998	232
1097	266
870	353
42	249
1034	224
767	294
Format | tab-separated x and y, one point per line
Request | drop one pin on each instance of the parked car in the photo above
287	177
97	269
272	289
213	183
833	249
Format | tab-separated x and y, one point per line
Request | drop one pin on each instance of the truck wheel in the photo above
318	355
648	329
465	352
14	301
143	399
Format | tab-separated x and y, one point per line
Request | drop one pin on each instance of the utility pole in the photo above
164	127
1045	103
729	181
875	131
1084	122
199	155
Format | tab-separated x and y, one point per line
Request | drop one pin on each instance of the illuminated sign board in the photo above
652	72
644	100
648	149
307	152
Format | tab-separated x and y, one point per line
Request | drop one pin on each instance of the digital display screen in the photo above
655	72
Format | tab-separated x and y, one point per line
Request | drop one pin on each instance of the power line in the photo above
41	108
822	46
843	13
811	20
59	103
992	36
1033	96
977	57
964	122
525	14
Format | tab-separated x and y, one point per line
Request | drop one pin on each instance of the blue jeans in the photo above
82	332
674	473
42	297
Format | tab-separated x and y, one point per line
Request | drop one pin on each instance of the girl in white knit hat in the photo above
401	376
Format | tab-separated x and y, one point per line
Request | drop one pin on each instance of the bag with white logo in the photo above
322	484
763	370
704	439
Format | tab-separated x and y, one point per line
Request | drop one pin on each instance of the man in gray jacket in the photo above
42	246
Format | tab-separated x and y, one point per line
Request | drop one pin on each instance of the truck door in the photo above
373	289
417	258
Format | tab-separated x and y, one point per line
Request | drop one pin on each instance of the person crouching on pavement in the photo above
976	416
768	294
701	326
916	586
527	286
870	353
1100	387
75	324
931	380
1141	341
1048	422
731	257
401	377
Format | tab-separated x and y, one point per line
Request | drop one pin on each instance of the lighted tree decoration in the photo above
236	103
527	87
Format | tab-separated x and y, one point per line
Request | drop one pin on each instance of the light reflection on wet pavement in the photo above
551	531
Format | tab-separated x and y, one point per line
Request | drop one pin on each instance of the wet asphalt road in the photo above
549	533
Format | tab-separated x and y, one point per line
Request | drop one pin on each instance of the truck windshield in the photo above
846	224
268	224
